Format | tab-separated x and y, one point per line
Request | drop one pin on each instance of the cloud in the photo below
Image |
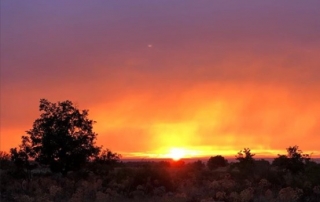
221	75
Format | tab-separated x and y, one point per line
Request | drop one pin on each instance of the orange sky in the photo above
209	78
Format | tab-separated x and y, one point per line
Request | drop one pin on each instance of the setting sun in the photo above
183	81
176	154
160	101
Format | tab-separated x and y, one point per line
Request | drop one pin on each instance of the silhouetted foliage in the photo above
4	160
312	172
149	177
262	168
107	157
197	165
245	155
167	181
21	161
62	138
281	162
105	161
188	170
294	161
216	162
19	158
245	161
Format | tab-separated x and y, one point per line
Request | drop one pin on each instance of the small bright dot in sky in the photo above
149	45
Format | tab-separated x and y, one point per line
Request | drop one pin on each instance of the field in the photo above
164	181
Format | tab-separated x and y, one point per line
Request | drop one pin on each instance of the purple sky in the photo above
210	71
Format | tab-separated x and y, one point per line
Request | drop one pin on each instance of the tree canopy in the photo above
245	160
62	137
294	161
216	162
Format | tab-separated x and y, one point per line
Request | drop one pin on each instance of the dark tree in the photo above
294	161
107	157
296	154
216	162
245	155
62	137
198	165
262	168
104	162
19	158
281	162
4	160
194	167
245	161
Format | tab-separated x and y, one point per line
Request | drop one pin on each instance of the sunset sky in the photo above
200	77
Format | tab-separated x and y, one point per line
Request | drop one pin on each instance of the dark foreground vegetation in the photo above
58	161
285	179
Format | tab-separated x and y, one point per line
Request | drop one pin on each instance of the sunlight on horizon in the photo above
178	153
180	80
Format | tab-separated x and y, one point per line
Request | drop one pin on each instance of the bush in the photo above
216	162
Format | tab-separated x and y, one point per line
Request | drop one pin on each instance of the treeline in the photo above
290	177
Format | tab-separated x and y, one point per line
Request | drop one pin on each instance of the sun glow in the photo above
176	154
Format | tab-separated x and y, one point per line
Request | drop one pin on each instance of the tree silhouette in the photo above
294	161
245	161
19	158
4	160
216	162
107	157
245	155
62	137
